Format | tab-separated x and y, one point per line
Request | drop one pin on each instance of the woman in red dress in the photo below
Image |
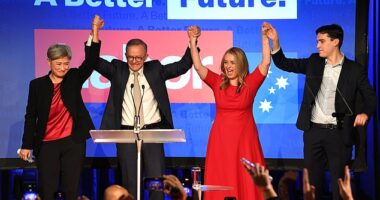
233	134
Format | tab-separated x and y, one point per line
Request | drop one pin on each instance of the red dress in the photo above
233	136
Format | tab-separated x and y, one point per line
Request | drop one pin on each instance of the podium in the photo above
138	137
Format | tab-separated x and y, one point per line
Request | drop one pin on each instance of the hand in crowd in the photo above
260	177
288	178
117	192
308	190
345	185
173	187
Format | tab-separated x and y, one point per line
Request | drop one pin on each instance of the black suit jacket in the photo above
40	97
156	74
353	79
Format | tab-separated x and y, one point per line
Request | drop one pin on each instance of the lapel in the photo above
316	77
344	74
48	90
124	79
341	86
151	77
148	75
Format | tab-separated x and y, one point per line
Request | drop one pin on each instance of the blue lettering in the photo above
251	3
281	3
235	4
222	4
135	3
203	4
268	3
183	3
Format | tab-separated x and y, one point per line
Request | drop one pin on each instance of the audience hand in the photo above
174	188
260	177
288	178
83	197
345	185
308	190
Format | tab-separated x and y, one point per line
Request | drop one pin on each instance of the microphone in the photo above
338	115
142	96
339	119
136	119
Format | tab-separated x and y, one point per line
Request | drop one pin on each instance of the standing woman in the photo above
57	123
233	134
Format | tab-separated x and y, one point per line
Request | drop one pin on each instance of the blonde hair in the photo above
241	67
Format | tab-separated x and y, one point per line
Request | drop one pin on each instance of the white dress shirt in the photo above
149	103
324	105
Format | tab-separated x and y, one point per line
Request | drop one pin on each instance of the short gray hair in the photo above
56	51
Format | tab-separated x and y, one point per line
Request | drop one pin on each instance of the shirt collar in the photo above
337	65
141	70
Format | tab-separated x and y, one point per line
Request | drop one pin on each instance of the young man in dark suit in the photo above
326	115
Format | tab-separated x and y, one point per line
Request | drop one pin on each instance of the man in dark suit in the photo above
326	115
124	102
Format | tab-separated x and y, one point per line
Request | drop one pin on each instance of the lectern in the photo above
138	137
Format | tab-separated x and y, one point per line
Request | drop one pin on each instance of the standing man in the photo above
326	115
123	100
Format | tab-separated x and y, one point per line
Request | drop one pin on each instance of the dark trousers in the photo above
60	159
152	162
325	149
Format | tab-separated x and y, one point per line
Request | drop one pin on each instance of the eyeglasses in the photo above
136	58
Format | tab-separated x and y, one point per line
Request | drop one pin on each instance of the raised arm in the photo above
194	32
97	24
265	60
273	35
92	49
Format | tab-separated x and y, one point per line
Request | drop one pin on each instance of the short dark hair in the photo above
136	41
334	31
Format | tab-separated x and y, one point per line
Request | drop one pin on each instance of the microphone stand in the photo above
339	119
340	116
139	141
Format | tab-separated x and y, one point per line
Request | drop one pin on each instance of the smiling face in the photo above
136	55
325	45
230	67
59	67
234	66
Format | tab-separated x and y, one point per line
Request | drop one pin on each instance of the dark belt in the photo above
326	126
146	126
